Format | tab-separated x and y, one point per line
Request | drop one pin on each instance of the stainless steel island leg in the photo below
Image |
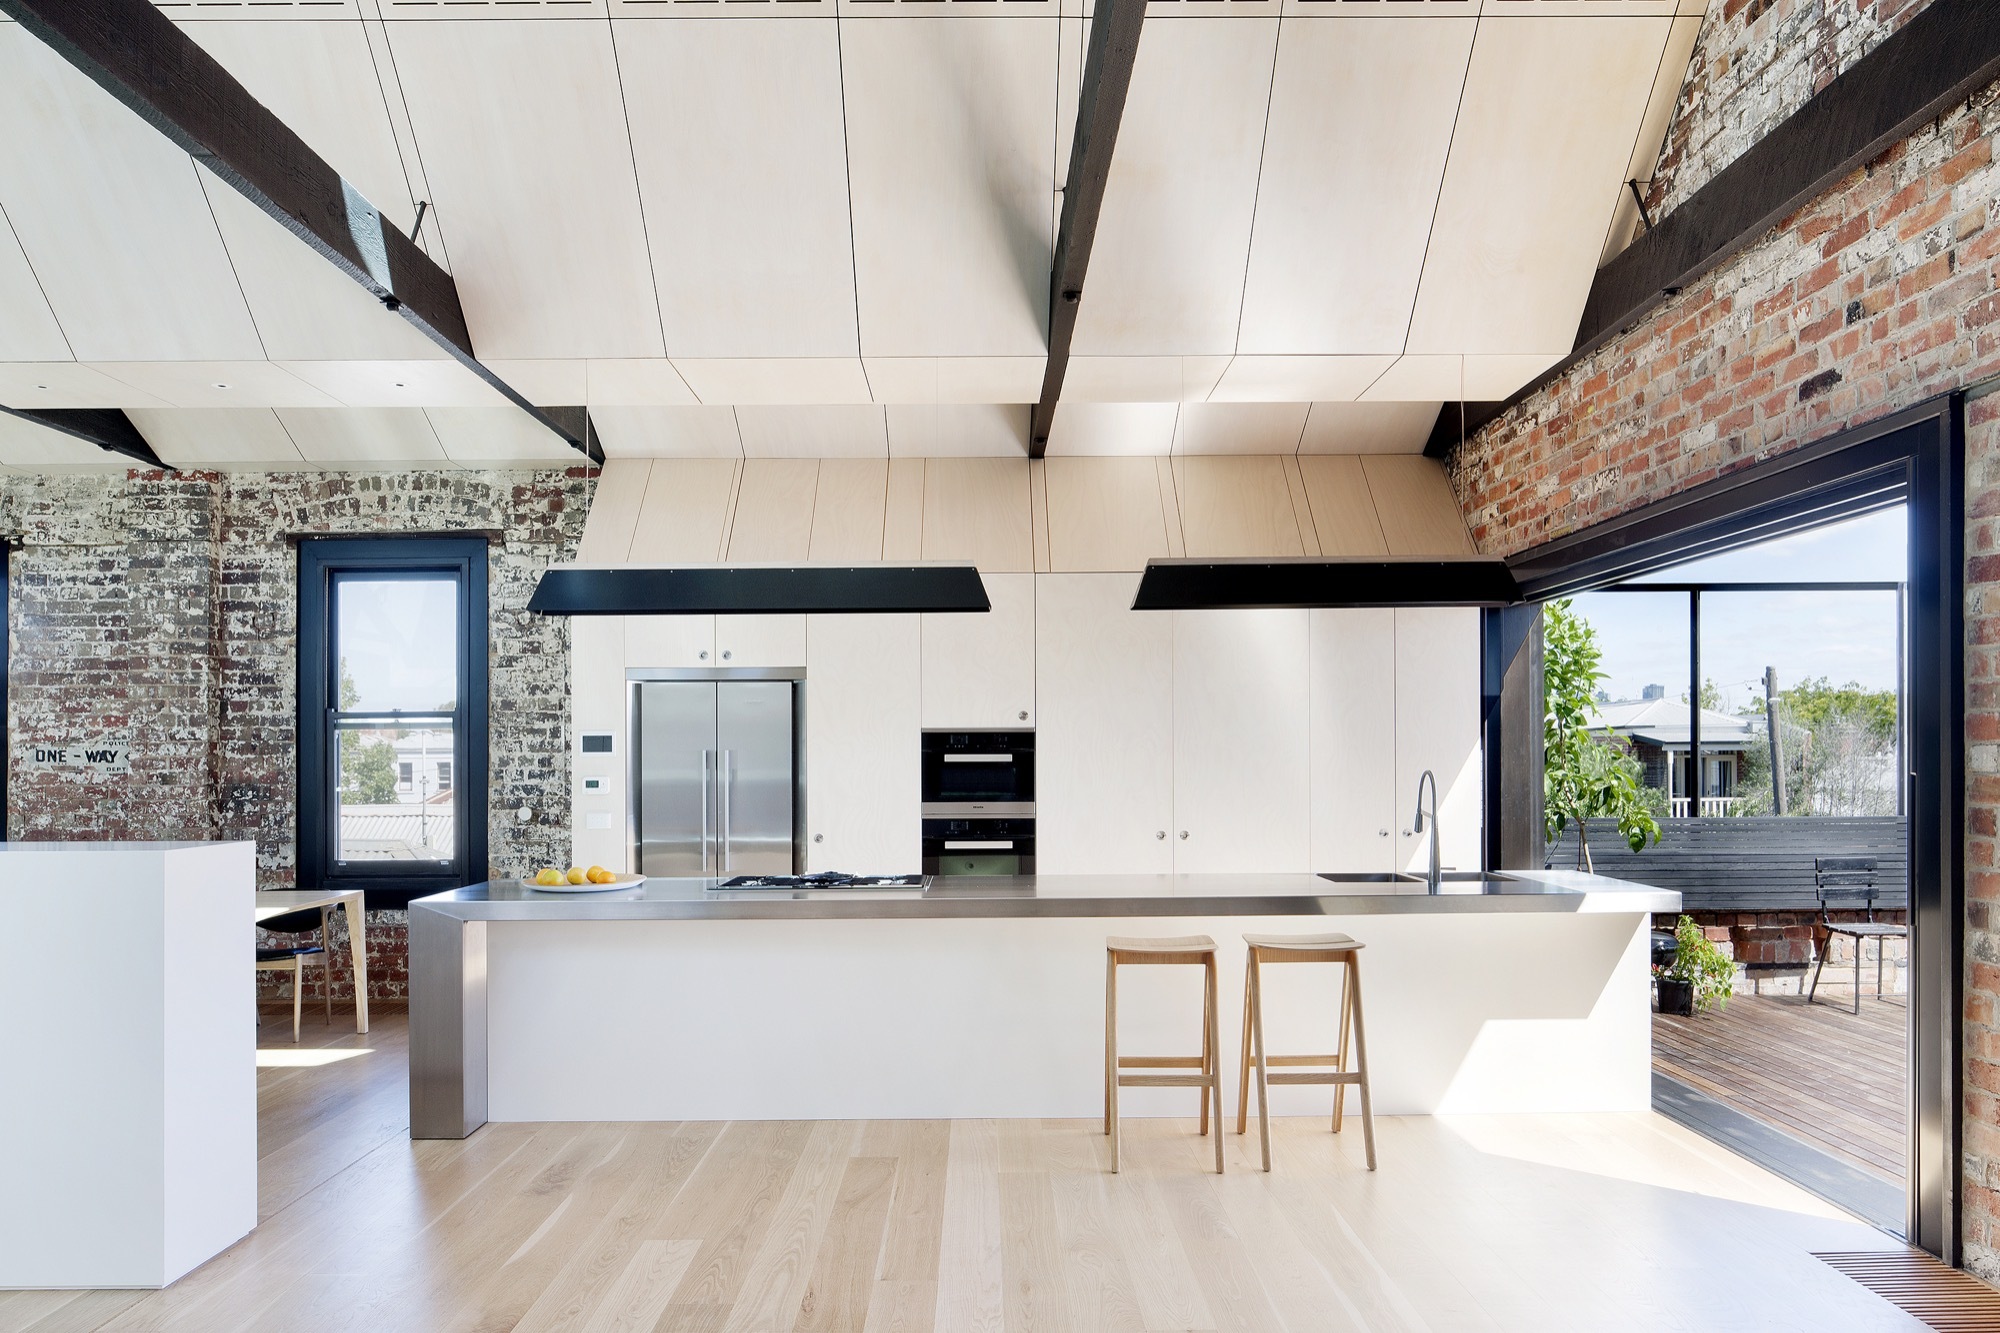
447	1024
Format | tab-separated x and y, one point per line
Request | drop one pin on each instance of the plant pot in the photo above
1677	997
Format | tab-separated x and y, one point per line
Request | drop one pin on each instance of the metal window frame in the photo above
1914	457
321	560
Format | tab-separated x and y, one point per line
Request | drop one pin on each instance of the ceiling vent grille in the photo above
1920	1286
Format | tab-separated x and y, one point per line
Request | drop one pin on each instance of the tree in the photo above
1839	751
367	770
1584	776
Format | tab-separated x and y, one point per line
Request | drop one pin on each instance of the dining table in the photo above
278	902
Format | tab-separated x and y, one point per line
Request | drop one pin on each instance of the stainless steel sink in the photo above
1393	877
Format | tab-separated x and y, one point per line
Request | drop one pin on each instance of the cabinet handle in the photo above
819	837
704	654
1024	715
1161	834
1408	834
1381	833
726	654
1183	835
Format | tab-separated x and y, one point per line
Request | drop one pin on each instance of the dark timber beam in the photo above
1107	77
134	52
1936	61
106	427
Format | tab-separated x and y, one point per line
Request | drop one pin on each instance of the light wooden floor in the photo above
1587	1223
1838	1080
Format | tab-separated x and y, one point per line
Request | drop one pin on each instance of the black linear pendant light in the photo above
824	590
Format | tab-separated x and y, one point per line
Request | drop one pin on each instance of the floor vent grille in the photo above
1943	1297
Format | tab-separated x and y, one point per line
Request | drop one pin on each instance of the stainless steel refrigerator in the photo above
715	777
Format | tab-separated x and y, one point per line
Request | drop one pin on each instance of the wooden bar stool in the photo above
1185	949
1341	949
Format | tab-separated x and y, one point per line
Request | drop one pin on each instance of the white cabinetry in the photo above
670	641
1354	777
863	734
1241	751
760	641
979	670
1437	728
1104	746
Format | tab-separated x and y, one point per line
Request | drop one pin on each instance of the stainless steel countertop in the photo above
1061	896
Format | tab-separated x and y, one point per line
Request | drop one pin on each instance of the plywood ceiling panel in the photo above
1240	428
498	437
951	143
1368	428
977	509
839	431
1413	501
774	511
958	430
1420	378
668	432
222	385
1343	511
736	129
320	79
364	383
28	328
113	219
615	502
522	132
1142	379
685	511
30	447
352	436
226	437
1113	429
67	384
635	382
545	382
1104	514
1280	379
1236	507
1550	110
955	379
1361	120
847	510
776	380
1166	274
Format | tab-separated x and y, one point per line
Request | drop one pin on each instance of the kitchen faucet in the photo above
1436	877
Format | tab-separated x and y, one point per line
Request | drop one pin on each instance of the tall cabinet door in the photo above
1437	728
864	735
1354	777
979	670
1104	739
1241	756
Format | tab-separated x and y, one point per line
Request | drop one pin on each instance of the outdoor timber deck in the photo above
1816	1072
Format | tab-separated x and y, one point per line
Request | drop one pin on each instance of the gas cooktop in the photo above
824	880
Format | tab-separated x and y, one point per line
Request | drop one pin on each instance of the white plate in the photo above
617	882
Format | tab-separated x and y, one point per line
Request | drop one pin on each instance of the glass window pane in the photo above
1643	698
396	642
1869	549
394	801
1834	658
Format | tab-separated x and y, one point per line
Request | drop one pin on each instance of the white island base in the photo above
943	1018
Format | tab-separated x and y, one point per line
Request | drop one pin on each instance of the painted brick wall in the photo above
161	611
1755	63
1879	295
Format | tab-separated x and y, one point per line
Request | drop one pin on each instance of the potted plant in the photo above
1701	977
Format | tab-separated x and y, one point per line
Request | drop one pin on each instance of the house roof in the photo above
1664	722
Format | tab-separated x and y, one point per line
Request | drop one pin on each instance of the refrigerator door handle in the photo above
707	769
722	805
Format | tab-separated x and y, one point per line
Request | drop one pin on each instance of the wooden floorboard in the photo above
1581	1222
1818	1072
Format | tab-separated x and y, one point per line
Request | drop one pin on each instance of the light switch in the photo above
593	784
597	819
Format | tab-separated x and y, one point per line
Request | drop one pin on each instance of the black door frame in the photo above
1914	457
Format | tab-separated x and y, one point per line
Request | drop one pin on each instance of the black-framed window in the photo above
392	705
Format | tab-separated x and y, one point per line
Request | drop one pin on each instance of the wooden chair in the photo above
1851	879
291	958
1186	950
1329	948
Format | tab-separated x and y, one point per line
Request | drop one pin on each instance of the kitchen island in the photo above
983	997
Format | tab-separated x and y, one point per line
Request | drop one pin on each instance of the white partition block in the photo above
128	1074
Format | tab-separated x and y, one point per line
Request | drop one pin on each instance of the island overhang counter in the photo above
983	997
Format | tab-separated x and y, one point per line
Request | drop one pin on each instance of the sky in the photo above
398	639
1843	636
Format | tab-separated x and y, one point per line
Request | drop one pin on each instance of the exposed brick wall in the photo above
1879	295
1755	63
161	611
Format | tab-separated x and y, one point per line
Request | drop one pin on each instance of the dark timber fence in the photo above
1762	864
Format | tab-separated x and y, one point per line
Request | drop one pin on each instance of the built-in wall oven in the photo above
979	802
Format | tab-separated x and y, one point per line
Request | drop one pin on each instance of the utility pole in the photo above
1777	741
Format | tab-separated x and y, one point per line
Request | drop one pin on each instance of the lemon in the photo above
548	875
598	875
576	875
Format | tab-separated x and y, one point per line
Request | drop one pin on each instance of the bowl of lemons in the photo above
579	880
